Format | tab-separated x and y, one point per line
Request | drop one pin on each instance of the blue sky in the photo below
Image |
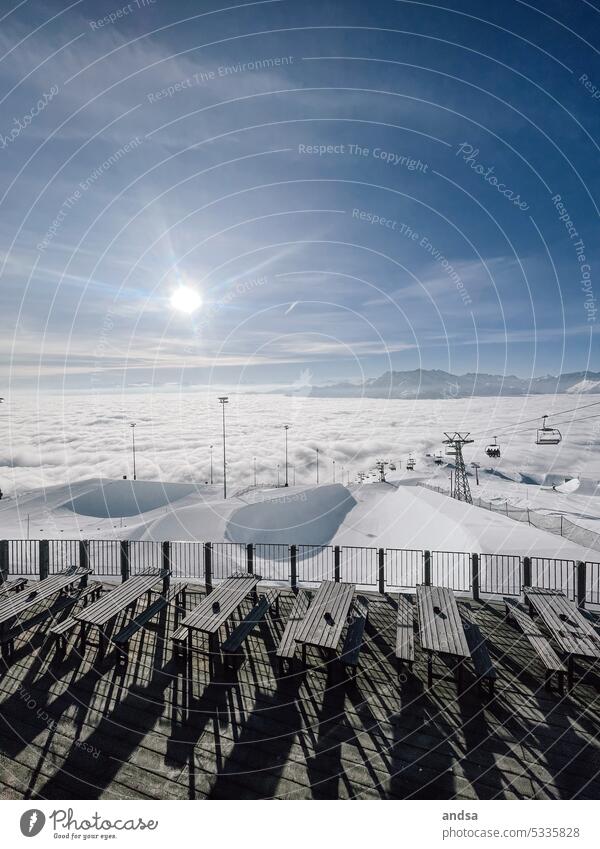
349	187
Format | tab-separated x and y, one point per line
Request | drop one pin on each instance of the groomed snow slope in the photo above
389	515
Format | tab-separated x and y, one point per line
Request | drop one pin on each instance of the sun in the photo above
185	299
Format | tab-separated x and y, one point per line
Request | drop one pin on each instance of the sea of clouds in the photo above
48	440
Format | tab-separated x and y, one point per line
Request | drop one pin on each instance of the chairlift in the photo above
410	464
392	467
547	435
493	449
438	459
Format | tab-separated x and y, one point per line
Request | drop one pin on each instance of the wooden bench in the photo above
175	594
64	603
484	668
550	660
354	635
60	630
286	649
14	585
405	633
232	645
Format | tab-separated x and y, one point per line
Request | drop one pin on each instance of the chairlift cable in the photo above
537	418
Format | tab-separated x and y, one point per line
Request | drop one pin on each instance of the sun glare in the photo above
186	299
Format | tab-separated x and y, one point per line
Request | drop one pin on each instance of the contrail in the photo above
291	307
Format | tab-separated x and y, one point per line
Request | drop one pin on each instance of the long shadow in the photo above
256	761
145	703
327	758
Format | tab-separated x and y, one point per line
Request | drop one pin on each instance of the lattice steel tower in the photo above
460	487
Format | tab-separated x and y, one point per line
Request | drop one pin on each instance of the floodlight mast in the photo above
460	486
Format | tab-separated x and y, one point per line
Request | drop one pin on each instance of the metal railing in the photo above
392	569
555	524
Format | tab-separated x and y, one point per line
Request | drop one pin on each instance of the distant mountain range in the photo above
423	383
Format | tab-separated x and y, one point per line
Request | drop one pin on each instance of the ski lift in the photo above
392	467
410	464
493	449
547	435
438	459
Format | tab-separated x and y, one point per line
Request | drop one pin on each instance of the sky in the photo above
338	189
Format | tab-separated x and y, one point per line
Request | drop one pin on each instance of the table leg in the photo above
82	637
101	645
429	669
304	653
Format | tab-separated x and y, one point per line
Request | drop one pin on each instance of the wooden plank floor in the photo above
158	730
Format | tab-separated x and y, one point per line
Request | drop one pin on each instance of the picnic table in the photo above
104	612
216	608
13	606
575	635
326	617
440	628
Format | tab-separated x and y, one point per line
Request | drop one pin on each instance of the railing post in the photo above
44	559
475	576
208	567
527	571
381	570
124	547
294	567
84	553
336	563
4	563
427	571
250	558
166	565
581	570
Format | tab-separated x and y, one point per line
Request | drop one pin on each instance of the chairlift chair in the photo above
438	459
493	449
547	435
392	467
410	464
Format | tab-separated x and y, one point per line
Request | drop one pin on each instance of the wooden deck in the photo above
159	730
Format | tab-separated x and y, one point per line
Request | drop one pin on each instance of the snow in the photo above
64	475
397	514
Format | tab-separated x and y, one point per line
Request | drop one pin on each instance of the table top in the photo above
572	631
325	619
440	626
17	603
217	607
113	602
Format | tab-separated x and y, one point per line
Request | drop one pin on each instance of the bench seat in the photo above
232	645
175	594
287	647
484	667
405	632
546	654
64	602
354	635
14	585
61	628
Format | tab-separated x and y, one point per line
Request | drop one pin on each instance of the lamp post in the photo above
277	474
211	464
317	466
476	466
254	471
132	426
333	471
222	401
286	428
